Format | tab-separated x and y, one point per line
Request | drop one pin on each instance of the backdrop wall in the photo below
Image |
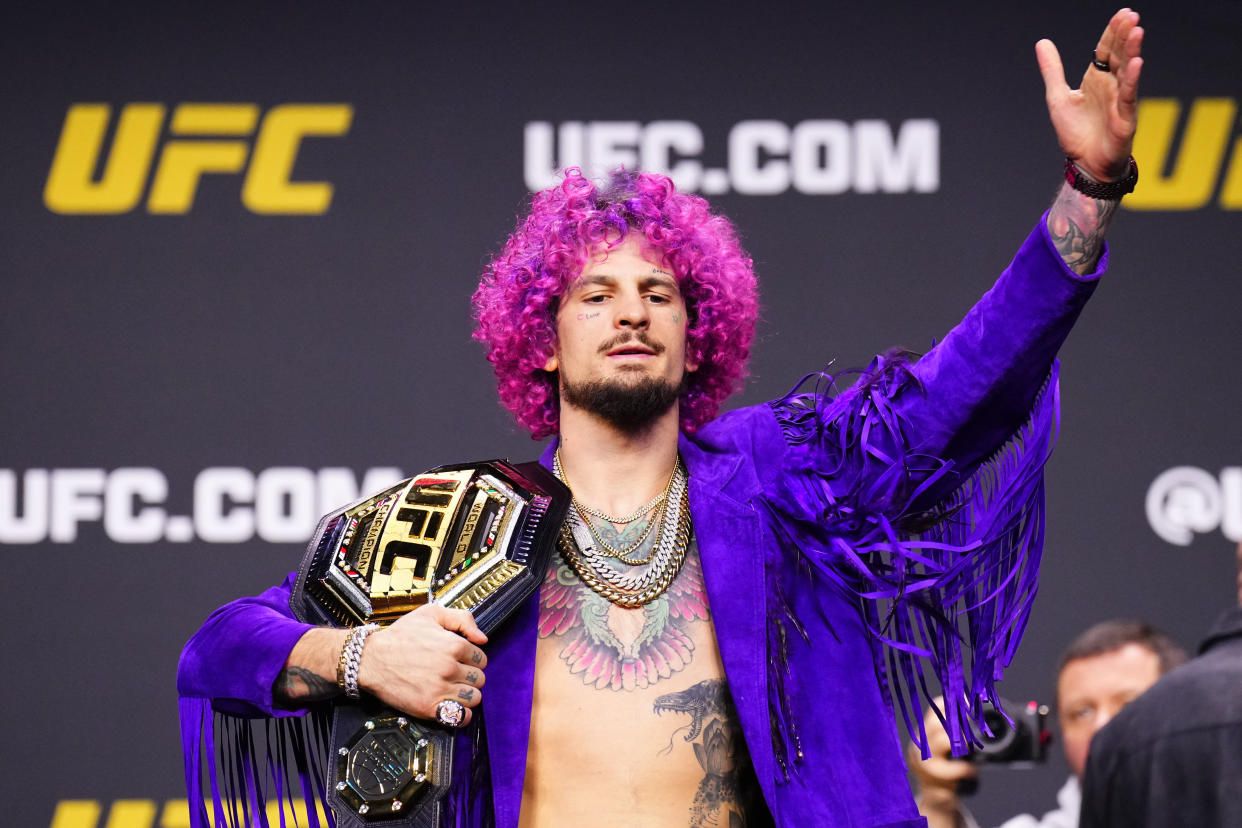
239	243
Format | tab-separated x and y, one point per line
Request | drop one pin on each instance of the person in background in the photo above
1104	668
1174	757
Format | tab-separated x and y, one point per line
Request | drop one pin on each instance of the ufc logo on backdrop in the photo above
1188	179
203	138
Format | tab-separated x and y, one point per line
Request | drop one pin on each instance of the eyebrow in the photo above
661	280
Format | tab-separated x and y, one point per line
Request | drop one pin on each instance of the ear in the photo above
552	363
692	364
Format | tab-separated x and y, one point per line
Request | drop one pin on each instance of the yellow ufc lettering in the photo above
84	813
1194	173
268	188
71	187
140	813
184	162
204	139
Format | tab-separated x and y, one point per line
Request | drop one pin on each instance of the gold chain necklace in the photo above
629	519
559	470
620	554
606	548
642	510
579	550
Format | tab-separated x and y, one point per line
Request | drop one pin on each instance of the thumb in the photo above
461	621
1049	60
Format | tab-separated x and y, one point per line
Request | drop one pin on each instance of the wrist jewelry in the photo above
351	659
1102	190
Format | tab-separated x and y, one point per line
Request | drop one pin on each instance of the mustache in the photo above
640	337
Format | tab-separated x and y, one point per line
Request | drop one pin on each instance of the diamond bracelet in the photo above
351	659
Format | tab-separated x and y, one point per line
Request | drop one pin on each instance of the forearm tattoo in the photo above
295	686
1077	224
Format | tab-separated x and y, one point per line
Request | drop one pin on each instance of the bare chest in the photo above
632	721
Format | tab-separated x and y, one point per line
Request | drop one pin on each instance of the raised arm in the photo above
982	379
920	488
1095	126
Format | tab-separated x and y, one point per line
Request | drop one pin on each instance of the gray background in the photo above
221	337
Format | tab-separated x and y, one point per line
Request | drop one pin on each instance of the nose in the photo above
632	313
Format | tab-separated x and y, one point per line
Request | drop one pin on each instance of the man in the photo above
1174	757
1103	669
678	666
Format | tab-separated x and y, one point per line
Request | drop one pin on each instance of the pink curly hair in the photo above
516	302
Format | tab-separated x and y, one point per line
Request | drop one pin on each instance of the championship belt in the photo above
474	536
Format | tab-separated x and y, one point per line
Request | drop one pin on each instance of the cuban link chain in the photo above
629	589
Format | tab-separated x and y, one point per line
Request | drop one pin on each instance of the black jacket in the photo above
1173	756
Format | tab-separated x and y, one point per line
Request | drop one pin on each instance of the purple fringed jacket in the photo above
849	542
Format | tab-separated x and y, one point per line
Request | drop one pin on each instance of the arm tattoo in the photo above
296	685
1077	224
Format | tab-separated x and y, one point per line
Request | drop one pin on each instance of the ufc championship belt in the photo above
474	536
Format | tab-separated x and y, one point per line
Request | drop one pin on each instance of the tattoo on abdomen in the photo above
729	788
614	648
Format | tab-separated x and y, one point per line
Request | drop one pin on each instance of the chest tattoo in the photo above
614	648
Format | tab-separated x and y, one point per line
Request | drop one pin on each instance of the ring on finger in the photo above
450	713
1102	65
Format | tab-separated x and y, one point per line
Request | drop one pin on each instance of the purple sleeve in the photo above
236	655
225	680
919	489
980	383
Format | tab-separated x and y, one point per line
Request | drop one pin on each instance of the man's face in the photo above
1091	690
621	334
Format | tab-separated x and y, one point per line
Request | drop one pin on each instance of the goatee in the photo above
627	406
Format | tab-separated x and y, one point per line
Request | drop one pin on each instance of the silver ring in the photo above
450	713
